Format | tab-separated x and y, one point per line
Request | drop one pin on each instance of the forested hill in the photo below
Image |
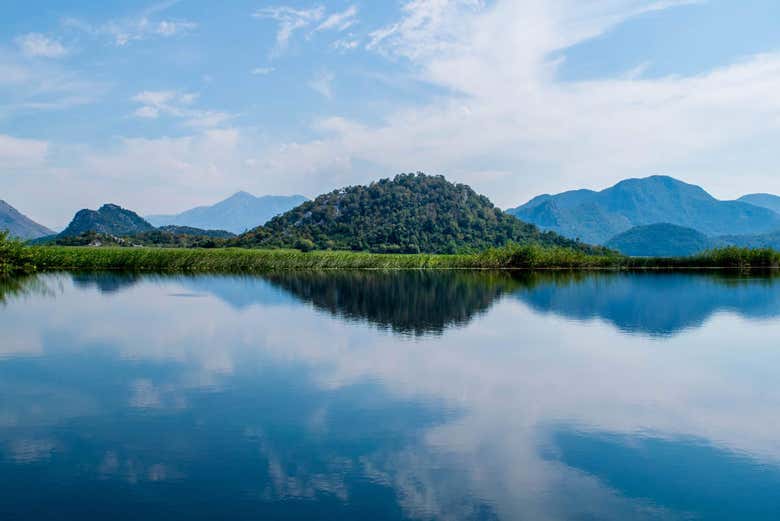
410	213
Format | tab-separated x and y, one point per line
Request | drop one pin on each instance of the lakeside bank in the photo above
241	260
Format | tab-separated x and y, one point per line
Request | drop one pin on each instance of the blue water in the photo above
408	395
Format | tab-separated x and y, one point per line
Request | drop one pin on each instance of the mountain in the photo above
19	225
769	201
764	240
660	240
238	213
110	219
194	232
596	217
410	213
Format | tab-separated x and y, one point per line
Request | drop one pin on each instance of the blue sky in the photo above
162	106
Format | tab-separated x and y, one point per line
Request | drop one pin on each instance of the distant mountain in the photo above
596	217
19	225
238	213
660	240
410	213
195	232
764	240
769	201
110	219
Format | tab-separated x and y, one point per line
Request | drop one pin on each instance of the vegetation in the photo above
15	257
239	260
109	219
660	240
411	213
167	236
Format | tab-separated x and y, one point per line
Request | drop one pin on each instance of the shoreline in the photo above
245	260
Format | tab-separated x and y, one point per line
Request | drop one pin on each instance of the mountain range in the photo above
596	217
238	213
19	225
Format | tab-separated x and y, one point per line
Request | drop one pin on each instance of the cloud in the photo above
340	21
39	45
262	71
178	105
142	26
322	83
33	85
507	125
21	153
289	20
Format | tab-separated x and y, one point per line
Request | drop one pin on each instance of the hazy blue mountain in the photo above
640	303
19	225
764	240
660	240
596	217
110	219
238	213
769	201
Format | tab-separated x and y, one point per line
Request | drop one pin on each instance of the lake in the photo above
405	395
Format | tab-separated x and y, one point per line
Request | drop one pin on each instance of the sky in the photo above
163	106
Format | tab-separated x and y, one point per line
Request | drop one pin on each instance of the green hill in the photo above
660	240
407	214
110	219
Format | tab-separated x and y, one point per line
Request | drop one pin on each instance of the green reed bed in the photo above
15	258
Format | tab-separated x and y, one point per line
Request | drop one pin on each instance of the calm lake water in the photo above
411	395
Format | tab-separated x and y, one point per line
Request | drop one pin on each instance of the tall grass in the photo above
239	260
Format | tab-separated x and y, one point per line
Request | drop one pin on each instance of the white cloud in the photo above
135	28
340	21
21	153
322	83
39	45
262	71
289	20
179	105
512	129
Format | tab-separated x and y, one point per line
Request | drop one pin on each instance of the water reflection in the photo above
275	398
657	304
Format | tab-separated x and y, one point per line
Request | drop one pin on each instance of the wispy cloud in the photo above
289	20
262	71
322	83
178	105
40	45
340	21
146	24
315	19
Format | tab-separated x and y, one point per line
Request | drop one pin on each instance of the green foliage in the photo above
15	257
411	213
660	240
304	244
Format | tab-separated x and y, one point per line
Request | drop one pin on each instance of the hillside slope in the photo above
768	201
238	213
19	225
596	217
109	219
660	240
410	213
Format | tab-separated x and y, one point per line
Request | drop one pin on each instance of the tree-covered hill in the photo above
660	240
109	219
408	214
